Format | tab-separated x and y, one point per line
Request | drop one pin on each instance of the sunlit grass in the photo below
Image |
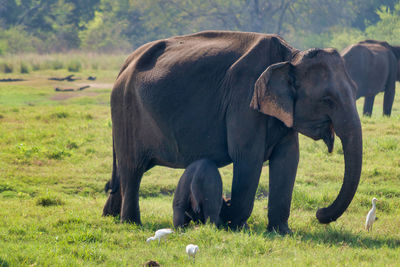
72	61
55	157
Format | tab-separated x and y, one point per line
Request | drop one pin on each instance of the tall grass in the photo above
73	62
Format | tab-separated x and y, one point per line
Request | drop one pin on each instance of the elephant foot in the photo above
282	229
113	205
131	216
131	221
367	114
237	226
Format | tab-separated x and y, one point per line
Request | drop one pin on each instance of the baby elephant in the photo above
198	196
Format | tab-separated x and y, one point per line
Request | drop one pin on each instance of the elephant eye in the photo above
327	100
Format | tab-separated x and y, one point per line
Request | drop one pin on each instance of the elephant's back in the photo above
367	65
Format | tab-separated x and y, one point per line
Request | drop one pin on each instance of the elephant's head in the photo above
313	94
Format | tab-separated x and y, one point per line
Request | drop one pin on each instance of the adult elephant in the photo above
374	66
231	97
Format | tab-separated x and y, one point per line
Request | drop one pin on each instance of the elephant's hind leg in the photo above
389	98
130	183
113	204
368	104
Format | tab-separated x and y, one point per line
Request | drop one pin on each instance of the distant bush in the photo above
343	37
35	65
388	28
104	35
24	68
74	66
14	40
6	67
57	64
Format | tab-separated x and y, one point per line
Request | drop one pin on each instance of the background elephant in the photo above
374	66
232	97
198	196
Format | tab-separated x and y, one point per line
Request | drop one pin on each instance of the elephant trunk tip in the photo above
324	217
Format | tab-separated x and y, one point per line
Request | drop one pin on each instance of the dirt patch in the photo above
67	95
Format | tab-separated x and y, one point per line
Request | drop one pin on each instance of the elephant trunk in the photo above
348	128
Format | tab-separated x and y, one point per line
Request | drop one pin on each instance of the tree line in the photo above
123	25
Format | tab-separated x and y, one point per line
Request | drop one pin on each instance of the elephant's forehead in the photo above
326	56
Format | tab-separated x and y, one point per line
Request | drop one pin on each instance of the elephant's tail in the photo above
195	195
113	184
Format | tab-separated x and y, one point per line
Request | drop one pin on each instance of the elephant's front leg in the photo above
246	175
246	147
283	164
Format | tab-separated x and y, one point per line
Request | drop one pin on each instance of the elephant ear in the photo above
273	93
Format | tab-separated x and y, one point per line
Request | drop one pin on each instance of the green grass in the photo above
72	61
55	157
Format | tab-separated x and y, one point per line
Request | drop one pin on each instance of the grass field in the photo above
55	157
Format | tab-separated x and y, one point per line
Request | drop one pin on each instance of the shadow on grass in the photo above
331	236
346	238
3	263
157	225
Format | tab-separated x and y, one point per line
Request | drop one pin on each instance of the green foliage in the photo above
57	64
24	68
104	35
6	67
343	37
74	66
123	25
388	28
18	40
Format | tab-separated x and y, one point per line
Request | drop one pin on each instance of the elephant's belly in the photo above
188	146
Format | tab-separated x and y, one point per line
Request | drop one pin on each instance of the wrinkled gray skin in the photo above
231	97
198	196
374	66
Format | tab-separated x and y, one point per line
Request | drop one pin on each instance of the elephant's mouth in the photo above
317	130
329	138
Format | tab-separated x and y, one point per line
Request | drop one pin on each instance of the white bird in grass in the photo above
371	216
191	250
162	233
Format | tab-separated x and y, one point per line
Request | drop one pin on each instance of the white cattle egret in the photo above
191	250
162	233
371	216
